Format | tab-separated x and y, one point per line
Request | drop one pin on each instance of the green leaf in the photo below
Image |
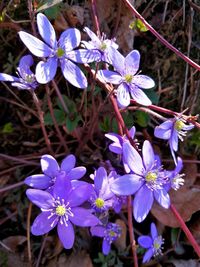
48	4
140	26
7	128
105	125
72	124
59	116
141	118
152	95
69	103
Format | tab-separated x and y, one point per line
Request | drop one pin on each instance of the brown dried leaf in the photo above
190	170
186	200
183	263
13	241
120	243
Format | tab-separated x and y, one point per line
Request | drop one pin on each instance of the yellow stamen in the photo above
179	125
151	177
99	202
60	210
128	78
60	52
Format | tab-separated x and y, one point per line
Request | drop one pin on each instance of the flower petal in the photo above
40	198
8	78
62	186
70	39
83	217
36	47
92	35
66	234
113	137
117	59
68	163
39	181
147	255
99	178
132	62
132	132
44	223
143	81
126	185
73	74
24	66
76	173
174	140
148	155
139	96
154	232
49	165
106	247
133	158
142	203
46	71
145	241
97	230
80	194
116	148
46	30
84	56
162	198
110	76
123	96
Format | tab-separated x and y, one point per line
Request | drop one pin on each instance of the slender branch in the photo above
185	229
160	38
60	97
96	21
28	232
9	187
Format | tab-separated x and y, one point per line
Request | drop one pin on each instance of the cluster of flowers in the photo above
65	200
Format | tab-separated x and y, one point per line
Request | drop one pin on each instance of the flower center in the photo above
99	202
60	52
103	46
151	177
128	78
60	210
179	125
157	245
29	78
112	233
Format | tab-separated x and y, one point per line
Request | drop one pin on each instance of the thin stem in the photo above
185	229
60	97
41	250
13	186
96	21
160	38
41	118
28	232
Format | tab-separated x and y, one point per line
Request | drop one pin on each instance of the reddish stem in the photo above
96	21
185	229
160	38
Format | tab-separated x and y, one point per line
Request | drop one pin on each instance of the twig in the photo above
60	97
96	21
160	38
41	250
28	232
13	186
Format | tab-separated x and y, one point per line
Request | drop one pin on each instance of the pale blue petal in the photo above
99	177
62	186
24	66
46	71
70	39
154	232
143	81
118	61
46	30
83	217
110	76
148	255
21	86
84	55
40	198
92	36
39	181
132	62
8	78
139	96
68	163
106	247
36	47
142	203
66	234
174	140
145	241
148	155
80	194
126	185
49	165
123	96
73	74
76	173
162	198
97	231
44	223
133	158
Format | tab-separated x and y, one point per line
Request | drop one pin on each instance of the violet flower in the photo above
62	209
146	181
51	170
127	79
172	130
110	233
117	145
26	79
57	53
152	243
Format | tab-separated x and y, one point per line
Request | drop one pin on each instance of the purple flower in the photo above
117	145
99	47
26	79
146	181
127	79
172	130
110	233
55	52
51	170
62	209
152	243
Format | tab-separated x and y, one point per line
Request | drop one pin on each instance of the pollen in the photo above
151	177
99	202
128	78
103	46
60	52
29	78
60	210
179	125
112	233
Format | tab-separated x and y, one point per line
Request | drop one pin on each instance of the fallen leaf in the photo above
183	263
120	243
13	241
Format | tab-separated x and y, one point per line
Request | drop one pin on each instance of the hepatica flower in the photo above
125	76
26	78
110	233
62	209
172	130
51	170
152	243
146	181
57	53
117	145
175	178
